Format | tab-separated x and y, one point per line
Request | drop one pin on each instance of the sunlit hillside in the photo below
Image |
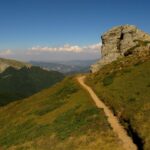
62	117
124	86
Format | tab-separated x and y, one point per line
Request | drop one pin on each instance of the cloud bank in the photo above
48	53
67	48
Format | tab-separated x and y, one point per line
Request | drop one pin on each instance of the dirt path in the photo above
113	121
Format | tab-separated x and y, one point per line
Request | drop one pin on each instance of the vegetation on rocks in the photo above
121	41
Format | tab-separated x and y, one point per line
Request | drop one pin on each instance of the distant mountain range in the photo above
19	80
66	67
5	63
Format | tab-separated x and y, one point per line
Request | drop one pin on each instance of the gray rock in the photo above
119	42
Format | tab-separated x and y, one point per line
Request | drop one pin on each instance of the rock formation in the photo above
119	42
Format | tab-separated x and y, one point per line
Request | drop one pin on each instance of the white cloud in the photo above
93	47
66	48
7	52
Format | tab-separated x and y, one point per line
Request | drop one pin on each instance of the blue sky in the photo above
28	24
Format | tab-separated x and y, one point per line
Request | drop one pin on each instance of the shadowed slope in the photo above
18	84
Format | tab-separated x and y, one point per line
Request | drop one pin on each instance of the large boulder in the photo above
119	42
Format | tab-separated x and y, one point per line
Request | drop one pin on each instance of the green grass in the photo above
78	122
62	117
23	132
58	98
127	93
108	79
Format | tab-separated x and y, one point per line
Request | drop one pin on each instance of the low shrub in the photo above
108	79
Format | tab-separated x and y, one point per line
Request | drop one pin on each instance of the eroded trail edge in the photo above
113	120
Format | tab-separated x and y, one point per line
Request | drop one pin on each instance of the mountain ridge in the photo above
66	67
5	63
16	84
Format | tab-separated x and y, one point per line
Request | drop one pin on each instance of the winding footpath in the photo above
113	120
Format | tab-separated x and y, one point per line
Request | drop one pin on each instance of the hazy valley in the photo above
66	67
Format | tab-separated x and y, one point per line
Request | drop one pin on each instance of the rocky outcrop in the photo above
120	42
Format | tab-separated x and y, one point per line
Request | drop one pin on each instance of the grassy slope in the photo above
63	117
17	84
124	85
